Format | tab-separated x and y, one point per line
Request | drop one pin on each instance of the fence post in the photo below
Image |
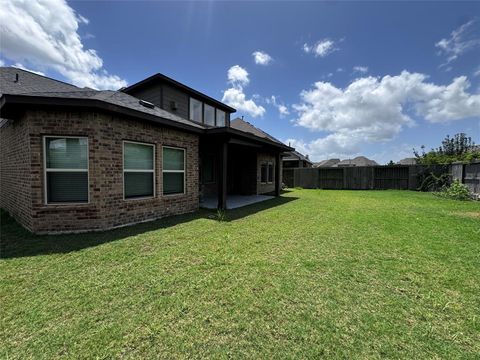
344	177
457	171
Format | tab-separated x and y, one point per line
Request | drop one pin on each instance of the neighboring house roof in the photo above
327	163
296	156
358	161
163	78
408	161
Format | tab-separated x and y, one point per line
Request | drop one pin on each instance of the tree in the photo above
458	148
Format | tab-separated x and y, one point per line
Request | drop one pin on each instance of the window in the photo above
195	110
138	170
266	172
270	172
220	118
208	169
66	169
173	171
263	173
209	115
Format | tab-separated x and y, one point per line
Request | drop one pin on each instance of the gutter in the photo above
96	104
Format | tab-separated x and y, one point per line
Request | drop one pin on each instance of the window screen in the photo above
173	171
66	169
195	110
209	115
138	170
220	118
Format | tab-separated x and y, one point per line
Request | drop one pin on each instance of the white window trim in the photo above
176	171
47	170
138	171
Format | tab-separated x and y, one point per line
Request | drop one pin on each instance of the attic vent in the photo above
146	104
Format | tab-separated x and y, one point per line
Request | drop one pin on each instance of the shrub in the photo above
456	191
431	182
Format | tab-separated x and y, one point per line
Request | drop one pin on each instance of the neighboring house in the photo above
358	161
407	161
327	163
77	159
293	159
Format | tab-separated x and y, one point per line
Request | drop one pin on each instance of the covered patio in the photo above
239	165
234	201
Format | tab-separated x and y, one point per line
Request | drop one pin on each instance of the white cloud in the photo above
2	63
332	146
44	34
235	96
282	108
464	38
20	66
477	72
238	75
262	58
377	109
360	69
321	48
339	69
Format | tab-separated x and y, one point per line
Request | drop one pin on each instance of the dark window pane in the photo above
209	115
173	159
263	173
270	172
172	183
138	184
208	169
195	110
67	187
66	153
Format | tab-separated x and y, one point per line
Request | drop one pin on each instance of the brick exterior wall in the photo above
107	209
15	178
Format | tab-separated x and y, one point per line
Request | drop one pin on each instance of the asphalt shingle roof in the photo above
245	126
36	85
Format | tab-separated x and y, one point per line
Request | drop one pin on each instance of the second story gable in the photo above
181	100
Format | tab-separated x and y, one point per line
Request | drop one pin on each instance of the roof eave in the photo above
231	131
8	100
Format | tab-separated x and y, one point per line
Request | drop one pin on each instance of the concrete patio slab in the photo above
234	201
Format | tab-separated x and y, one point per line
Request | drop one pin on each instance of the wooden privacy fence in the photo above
401	177
469	174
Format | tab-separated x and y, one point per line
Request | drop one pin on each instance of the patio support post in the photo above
222	178
278	164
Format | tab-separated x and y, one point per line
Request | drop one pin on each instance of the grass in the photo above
336	274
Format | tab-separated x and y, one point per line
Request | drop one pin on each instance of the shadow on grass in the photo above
15	241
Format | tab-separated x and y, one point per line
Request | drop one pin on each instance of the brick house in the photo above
76	159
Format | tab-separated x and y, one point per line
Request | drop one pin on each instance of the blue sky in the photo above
367	78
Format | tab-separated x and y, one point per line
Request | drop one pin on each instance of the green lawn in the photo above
342	274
